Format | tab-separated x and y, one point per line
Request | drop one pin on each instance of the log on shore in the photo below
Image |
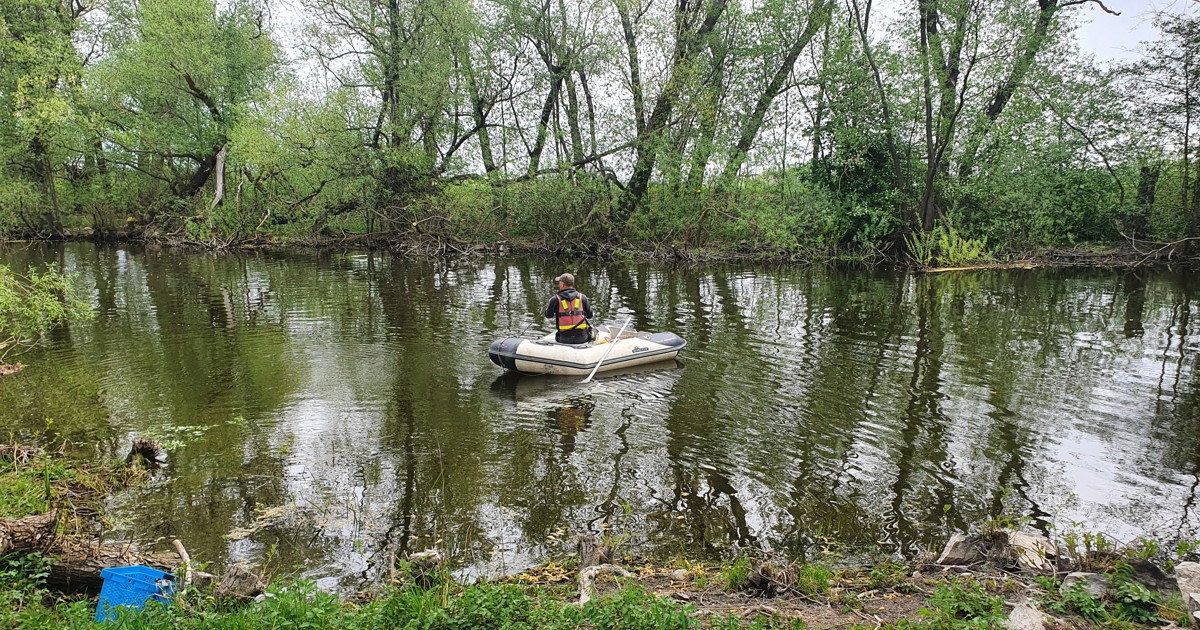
28	534
78	567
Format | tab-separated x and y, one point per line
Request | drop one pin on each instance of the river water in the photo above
327	412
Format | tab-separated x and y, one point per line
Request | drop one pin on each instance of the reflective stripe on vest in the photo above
570	315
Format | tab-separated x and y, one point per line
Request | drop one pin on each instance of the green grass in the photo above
300	605
37	486
737	573
813	579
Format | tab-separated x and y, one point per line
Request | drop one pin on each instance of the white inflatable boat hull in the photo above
545	356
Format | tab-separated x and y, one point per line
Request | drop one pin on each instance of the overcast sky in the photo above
1112	37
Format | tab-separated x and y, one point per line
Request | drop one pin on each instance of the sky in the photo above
1119	38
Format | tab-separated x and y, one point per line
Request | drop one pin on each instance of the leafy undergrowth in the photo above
47	482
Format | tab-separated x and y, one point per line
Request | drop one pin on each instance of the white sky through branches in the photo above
1119	38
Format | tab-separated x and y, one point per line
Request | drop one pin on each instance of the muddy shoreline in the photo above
1100	255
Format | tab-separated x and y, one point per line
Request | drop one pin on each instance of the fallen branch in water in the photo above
1159	247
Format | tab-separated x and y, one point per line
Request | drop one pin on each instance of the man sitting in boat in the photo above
571	311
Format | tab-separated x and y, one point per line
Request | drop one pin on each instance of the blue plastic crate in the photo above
132	587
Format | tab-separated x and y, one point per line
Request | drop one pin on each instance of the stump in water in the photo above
591	553
425	566
238	583
28	534
145	454
19	454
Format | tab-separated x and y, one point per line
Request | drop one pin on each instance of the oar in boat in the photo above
610	347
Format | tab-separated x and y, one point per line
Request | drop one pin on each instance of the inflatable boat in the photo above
546	356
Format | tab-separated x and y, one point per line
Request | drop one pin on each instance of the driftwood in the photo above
187	560
591	552
19	454
770	580
589	574
29	534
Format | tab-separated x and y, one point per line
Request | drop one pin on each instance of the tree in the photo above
39	71
173	92
794	42
1170	79
694	22
413	58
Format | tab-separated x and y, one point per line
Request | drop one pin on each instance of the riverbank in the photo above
1000	584
891	595
1101	255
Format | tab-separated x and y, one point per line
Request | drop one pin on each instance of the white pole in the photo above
610	347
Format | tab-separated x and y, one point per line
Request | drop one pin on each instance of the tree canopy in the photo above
836	125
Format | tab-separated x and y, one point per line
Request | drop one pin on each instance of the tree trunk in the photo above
898	173
219	171
819	107
819	15
689	40
199	179
573	121
939	130
539	143
29	534
45	174
479	113
591	106
635	70
1138	223
77	569
1033	45
1187	139
702	147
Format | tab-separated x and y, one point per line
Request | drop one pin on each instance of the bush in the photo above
945	246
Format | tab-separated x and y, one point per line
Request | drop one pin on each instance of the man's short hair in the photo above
566	279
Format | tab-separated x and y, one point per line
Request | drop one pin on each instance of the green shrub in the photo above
893	575
1076	600
963	606
633	609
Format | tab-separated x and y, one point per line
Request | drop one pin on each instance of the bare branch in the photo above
1096	2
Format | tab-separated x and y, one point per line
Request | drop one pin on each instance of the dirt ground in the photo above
855	597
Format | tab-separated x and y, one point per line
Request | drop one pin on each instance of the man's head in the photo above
565	281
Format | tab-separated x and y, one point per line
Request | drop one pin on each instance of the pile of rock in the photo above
1034	554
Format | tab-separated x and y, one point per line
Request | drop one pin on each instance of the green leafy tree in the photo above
1169	78
39	74
177	84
